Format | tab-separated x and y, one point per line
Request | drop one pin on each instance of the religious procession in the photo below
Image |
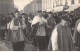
39	25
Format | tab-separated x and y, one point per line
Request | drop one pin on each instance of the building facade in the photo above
6	6
33	7
48	5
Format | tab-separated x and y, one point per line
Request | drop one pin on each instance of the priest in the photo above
61	37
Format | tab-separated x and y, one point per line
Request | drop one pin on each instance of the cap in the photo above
65	17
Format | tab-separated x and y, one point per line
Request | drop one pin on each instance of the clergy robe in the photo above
17	33
61	39
76	35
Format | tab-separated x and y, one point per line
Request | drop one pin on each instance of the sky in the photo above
20	4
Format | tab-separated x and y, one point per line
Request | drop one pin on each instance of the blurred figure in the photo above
71	23
23	17
61	38
39	23
31	16
29	19
27	30
45	15
11	15
2	27
8	20
17	36
57	18
50	25
76	35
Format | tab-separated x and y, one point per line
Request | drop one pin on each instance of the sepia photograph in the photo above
39	25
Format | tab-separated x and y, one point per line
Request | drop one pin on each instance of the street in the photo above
28	46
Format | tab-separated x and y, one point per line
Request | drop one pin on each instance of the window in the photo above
39	1
72	2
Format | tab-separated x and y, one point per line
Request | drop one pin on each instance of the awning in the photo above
48	10
72	7
60	8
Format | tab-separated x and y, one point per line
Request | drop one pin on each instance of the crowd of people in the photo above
47	30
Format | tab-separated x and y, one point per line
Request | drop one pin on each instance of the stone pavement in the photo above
28	46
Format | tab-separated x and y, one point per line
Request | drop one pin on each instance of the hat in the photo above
65	17
23	14
16	11
39	11
50	12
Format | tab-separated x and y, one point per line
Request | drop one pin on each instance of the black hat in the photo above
50	12
39	11
65	17
16	11
23	14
